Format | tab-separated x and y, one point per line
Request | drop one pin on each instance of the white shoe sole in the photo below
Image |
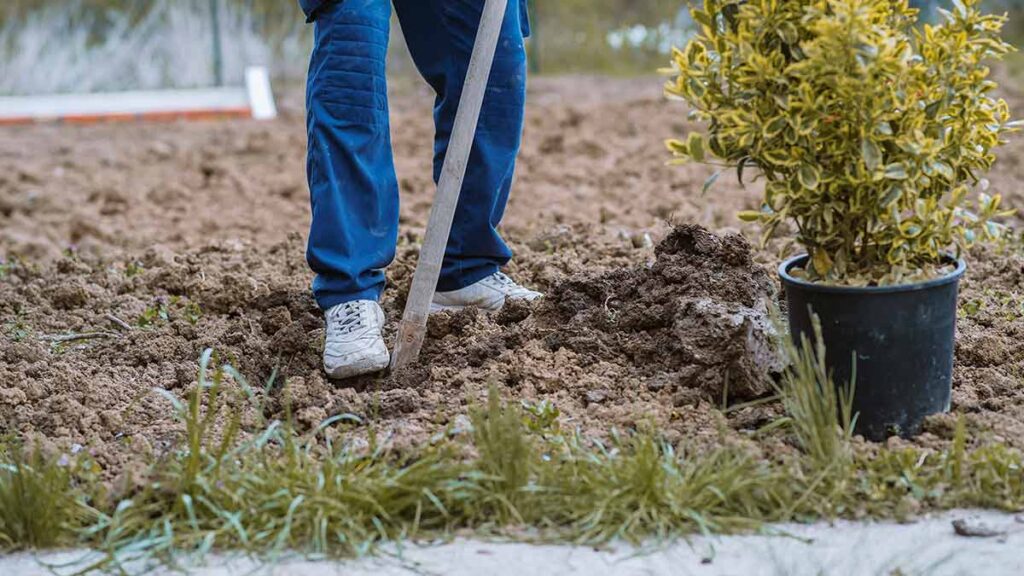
362	367
435	308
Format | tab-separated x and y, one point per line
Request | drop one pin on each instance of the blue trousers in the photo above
350	166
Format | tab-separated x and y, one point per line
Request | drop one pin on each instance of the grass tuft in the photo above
643	489
819	412
506	459
37	510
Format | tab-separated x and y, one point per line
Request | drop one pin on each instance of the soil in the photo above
150	243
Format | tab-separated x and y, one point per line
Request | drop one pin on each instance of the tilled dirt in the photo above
646	344
160	241
989	369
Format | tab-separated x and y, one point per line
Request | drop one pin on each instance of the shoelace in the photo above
508	285
347	318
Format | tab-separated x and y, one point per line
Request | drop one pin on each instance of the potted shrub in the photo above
872	134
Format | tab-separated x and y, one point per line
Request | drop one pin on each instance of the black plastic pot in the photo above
903	337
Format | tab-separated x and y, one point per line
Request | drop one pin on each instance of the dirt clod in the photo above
701	309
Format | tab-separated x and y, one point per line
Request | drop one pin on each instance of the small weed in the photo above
971	307
12	264
506	453
819	413
540	417
133	269
152	315
18	330
1007	305
164	310
193	312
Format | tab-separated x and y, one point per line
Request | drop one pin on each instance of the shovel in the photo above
413	329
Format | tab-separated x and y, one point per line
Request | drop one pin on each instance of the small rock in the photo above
461	425
659	382
311	416
642	240
597	396
111	419
513	312
161	150
24	351
394	403
687	397
552	239
970	529
12	397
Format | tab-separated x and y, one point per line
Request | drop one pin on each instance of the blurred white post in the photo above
261	96
218	49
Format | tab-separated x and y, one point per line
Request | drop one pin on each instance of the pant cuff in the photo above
466	279
328	301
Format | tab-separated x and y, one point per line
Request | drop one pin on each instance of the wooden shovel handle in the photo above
412	330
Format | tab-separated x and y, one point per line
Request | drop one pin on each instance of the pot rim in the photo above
787	278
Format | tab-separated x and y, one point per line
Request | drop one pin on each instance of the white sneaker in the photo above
489	294
355	343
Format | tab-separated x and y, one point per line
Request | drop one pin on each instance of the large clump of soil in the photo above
695	319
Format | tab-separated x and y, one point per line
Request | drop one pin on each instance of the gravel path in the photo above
931	546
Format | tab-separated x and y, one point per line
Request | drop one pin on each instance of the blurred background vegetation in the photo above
87	45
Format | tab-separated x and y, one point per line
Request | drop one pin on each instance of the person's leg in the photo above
351	172
440	35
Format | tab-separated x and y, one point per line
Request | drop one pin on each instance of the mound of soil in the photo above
695	319
693	323
624	348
